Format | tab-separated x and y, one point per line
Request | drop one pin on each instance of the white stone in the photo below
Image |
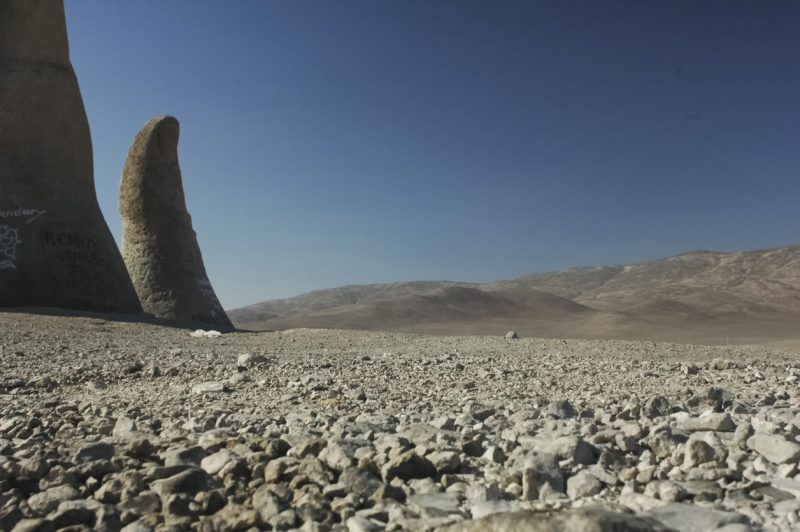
583	484
214	463
774	448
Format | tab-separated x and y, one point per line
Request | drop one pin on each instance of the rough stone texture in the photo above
55	247
689	518
775	448
585	520
159	245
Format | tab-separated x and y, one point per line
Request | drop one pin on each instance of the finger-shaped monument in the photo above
159	245
55	247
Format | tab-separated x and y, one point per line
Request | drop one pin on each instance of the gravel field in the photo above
107	425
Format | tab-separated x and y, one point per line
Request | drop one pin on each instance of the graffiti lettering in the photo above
85	273
79	279
30	214
75	248
207	292
75	240
9	240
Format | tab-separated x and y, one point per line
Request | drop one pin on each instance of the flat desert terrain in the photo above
701	297
106	424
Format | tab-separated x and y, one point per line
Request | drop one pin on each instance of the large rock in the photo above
159	245
775	448
55	247
693	518
584	519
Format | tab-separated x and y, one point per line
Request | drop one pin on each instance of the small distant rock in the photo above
152	371
407	466
484	508
656	407
494	454
44	382
134	367
541	471
249	360
209	387
75	512
583	484
447	461
124	428
94	451
46	501
716	421
214	463
697	452
188	481
356	394
512	335
721	364
432	505
689	369
358	523
562	409
200	333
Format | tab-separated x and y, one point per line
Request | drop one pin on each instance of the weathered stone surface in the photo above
55	247
94	451
159	245
583	484
48	500
209	387
190	481
433	505
407	466
716	421
214	463
691	518
540	471
586	520
775	448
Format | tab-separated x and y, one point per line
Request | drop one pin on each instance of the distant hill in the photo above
702	296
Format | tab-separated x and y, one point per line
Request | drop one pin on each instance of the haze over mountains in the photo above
701	296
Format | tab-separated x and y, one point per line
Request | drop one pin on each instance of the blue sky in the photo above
330	143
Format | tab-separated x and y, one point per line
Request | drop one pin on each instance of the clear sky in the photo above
344	142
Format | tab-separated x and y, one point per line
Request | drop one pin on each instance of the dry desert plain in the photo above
107	424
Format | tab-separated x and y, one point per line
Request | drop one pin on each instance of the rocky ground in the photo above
107	425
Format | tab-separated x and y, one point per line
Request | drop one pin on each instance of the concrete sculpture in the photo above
55	247
159	245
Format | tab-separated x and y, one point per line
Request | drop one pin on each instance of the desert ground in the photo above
107	424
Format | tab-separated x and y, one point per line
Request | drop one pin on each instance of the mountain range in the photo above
697	297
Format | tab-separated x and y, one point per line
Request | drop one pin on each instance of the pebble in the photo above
250	360
209	387
583	484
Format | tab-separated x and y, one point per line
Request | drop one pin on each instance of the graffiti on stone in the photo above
208	292
28	214
9	240
84	269
75	248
